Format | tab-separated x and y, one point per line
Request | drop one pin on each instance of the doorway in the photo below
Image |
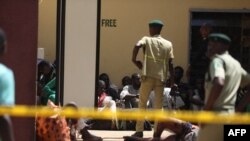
233	23
51	41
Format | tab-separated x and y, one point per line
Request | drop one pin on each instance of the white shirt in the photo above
169	102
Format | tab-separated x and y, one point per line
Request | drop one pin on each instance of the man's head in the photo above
136	80
126	80
3	41
73	105
179	71
44	67
155	27
101	86
205	30
105	78
218	43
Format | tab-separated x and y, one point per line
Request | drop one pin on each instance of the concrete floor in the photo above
108	135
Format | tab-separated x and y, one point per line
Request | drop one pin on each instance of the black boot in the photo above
137	134
87	136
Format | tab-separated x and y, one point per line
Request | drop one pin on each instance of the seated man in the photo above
105	102
126	80
176	98
110	88
130	93
45	72
171	99
183	131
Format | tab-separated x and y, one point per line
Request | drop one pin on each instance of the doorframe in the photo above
60	40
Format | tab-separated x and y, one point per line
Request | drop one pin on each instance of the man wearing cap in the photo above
157	62
224	77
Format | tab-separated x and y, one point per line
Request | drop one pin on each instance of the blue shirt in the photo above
7	86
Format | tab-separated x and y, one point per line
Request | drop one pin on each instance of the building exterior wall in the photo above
126	24
132	17
80	52
47	28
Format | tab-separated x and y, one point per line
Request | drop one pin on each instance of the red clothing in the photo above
101	99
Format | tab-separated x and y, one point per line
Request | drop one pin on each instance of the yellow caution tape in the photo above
160	115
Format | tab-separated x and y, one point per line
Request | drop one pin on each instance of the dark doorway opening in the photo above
235	24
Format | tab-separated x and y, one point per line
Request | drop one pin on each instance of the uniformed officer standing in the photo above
157	62
224	77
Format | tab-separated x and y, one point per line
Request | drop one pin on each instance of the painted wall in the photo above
132	17
117	39
80	52
47	28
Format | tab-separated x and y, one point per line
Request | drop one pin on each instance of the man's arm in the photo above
134	56
217	74
216	89
125	95
48	87
245	83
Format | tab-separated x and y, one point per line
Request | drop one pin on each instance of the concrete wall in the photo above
80	52
132	17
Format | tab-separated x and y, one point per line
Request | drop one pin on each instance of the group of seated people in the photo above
56	127
127	97
182	98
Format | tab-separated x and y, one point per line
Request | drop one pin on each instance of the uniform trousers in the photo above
147	85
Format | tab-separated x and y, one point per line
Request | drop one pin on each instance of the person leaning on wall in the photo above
7	92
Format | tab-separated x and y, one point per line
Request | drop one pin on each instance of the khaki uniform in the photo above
157	53
223	66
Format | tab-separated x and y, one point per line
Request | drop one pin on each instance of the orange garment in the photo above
52	128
